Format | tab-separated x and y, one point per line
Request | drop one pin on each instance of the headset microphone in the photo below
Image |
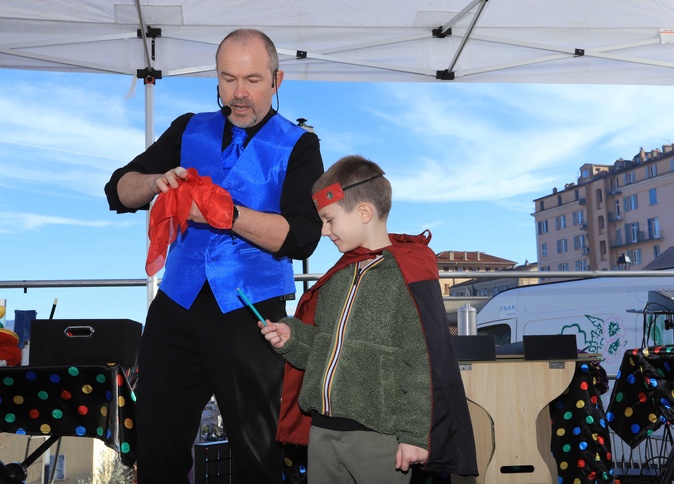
226	110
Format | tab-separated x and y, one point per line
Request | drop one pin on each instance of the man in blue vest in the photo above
199	339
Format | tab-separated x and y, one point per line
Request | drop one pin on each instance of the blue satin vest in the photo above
220	256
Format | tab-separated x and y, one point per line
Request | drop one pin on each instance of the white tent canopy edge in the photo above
544	41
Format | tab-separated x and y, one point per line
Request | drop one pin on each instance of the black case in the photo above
55	342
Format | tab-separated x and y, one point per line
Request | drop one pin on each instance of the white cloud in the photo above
19	222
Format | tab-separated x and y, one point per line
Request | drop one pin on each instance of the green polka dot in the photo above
42	395
73	371
57	414
10	418
100	378
8	381
125	447
568	415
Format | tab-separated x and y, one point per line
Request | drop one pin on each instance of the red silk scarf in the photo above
171	211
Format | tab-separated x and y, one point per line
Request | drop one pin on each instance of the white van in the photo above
605	313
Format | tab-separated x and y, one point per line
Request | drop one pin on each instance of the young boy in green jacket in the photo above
381	381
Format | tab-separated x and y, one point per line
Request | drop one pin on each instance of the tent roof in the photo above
536	41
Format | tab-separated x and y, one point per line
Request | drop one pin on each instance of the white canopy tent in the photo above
533	41
526	41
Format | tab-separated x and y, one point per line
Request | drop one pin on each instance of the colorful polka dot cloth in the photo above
643	395
580	436
77	401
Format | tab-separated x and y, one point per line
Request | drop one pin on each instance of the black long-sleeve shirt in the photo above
305	165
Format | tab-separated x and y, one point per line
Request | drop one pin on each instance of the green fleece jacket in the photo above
366	359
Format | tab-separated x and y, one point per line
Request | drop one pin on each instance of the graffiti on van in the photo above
604	335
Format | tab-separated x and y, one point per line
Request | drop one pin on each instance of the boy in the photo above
381	382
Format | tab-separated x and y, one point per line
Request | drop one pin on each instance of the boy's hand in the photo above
276	333
408	455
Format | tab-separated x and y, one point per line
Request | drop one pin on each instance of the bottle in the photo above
25	353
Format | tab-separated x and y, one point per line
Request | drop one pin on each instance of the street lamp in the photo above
624	262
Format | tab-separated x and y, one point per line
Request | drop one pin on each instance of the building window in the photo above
560	222
653	196
541	205
578	217
562	246
635	255
545	269
581	265
656	251
579	242
617	209
632	232
600	197
585	173
630	203
619	237
544	250
600	222
602	247
543	227
651	170
564	266
653	228
629	178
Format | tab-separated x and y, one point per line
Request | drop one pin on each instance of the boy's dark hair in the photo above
352	169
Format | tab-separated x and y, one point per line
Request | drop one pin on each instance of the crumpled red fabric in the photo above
171	210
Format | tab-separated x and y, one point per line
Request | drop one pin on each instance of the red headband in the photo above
335	193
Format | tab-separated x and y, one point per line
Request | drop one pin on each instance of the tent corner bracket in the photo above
445	75
440	34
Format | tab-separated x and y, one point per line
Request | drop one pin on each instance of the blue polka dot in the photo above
582	445
31	375
576	431
80	430
609	416
635	428
630	379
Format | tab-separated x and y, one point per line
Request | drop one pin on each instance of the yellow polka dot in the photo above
629	411
121	401
45	428
86	389
128	423
595	436
288	462
646	352
104	410
18	399
561	432
580	404
653	418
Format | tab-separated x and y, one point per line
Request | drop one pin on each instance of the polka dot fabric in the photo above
580	437
643	395
86	401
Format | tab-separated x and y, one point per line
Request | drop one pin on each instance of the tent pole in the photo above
149	139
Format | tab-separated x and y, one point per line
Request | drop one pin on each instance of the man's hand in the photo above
408	455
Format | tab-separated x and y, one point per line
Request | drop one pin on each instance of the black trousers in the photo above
186	356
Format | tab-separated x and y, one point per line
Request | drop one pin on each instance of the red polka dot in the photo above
583	385
600	439
643	397
608	456
120	380
66	395
34	414
592	476
82	410
594	399
581	463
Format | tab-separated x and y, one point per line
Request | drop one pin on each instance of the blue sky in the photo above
465	161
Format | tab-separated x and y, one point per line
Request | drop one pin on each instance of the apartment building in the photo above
467	261
615	217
